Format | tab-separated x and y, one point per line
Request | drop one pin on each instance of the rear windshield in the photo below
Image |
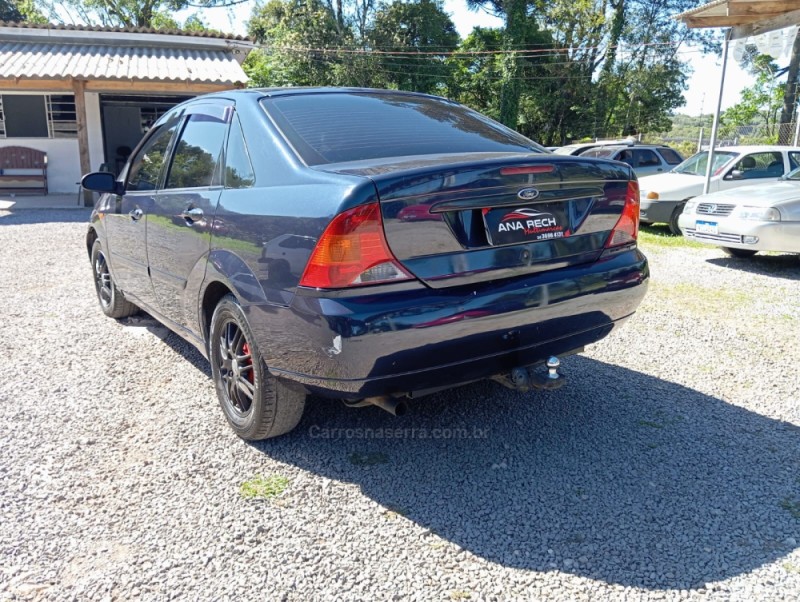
341	127
599	152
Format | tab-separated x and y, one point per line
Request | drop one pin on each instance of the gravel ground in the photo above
666	469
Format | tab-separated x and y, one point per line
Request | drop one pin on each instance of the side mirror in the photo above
736	175
101	181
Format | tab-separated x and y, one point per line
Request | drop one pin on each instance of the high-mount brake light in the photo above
353	252
526	169
627	228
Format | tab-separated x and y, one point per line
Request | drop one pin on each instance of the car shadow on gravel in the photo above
619	476
21	217
785	266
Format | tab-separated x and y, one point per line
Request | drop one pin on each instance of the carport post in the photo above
715	127
79	87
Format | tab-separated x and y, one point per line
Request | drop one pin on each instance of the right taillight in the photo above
353	252
627	228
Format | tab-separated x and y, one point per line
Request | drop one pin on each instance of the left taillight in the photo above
627	228
353	252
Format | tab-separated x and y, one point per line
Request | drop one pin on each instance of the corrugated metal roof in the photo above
97	62
100	28
703	8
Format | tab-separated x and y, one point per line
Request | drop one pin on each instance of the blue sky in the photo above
703	83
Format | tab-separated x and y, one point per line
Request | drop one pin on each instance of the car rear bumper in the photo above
656	211
744	234
399	342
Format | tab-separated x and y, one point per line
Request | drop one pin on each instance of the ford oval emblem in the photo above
528	194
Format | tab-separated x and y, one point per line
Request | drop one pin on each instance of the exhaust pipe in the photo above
396	407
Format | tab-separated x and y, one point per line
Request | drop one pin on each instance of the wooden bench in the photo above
23	169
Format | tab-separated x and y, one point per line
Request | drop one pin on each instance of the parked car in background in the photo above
330	279
664	196
645	159
580	147
746	220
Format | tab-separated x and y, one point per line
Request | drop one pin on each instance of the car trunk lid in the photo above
468	218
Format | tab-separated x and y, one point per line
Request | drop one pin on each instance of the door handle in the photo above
192	215
136	214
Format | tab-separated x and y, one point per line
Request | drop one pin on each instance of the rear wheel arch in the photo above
213	294
226	273
91	236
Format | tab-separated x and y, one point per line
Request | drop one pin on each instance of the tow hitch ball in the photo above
525	378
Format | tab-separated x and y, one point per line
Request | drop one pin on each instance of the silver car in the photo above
646	160
749	219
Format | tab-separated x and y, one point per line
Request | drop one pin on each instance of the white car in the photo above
749	219
664	195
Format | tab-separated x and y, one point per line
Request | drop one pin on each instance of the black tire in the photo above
112	300
256	404
673	220
738	253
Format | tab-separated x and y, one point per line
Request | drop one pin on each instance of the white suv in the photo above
664	196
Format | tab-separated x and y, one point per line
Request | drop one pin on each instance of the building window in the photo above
61	113
38	116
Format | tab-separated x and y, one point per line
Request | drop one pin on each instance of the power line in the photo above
417	53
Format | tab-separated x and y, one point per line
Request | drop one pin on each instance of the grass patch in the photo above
791	568
704	299
791	506
264	488
368	458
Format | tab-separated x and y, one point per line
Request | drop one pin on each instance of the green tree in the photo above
789	109
418	26
476	72
9	11
124	13
295	34
514	13
15	11
759	104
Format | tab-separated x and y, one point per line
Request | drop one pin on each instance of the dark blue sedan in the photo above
367	245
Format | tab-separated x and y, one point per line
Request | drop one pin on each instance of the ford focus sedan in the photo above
747	220
365	245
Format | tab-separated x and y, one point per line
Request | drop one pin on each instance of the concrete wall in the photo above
63	165
63	162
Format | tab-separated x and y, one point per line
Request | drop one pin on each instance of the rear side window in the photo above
146	166
238	169
334	128
197	153
760	165
648	158
794	159
625	156
598	152
670	156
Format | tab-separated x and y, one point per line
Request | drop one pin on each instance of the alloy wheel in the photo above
102	280
235	364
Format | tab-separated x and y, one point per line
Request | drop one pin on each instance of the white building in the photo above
86	95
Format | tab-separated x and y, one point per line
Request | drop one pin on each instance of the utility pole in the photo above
715	126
